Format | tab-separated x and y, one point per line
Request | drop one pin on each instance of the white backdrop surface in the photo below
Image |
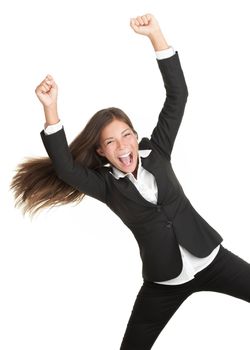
69	277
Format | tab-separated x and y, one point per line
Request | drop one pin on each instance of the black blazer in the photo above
157	228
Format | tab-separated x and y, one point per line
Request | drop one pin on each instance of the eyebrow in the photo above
113	137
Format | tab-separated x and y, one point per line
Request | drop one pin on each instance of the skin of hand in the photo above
47	92
145	25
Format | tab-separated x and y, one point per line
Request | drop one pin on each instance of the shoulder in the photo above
145	143
103	170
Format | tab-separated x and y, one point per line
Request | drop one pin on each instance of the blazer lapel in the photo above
130	191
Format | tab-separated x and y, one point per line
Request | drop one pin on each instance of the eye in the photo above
129	133
108	143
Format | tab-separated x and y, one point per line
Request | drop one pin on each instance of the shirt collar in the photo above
118	174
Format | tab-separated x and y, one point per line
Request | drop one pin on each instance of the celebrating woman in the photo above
181	253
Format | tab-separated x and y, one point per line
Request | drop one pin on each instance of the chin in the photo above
130	168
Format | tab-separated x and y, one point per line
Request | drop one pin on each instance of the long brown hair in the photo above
36	185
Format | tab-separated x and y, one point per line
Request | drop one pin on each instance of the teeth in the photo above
125	155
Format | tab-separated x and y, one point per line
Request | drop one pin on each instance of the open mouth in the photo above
126	159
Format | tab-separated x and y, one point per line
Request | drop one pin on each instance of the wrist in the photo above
51	114
158	40
51	107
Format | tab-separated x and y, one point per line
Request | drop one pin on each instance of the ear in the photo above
100	151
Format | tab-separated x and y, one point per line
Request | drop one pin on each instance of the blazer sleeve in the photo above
164	133
89	181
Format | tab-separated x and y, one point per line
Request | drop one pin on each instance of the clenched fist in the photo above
145	25
47	92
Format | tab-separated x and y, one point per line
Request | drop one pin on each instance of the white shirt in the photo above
146	185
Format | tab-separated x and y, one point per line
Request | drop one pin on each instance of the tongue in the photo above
125	160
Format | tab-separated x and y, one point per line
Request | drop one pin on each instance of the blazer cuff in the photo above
165	53
51	129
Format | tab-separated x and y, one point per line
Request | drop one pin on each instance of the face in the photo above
119	145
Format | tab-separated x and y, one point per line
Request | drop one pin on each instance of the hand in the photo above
145	25
47	92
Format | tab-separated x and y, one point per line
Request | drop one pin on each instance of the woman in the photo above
181	253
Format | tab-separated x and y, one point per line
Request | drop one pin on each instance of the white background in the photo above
69	277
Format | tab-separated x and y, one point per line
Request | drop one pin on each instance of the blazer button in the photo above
158	208
169	224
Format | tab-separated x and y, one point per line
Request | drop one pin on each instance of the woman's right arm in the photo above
88	181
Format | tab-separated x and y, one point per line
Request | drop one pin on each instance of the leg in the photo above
154	306
228	274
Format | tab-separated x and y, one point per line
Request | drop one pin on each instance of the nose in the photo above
121	144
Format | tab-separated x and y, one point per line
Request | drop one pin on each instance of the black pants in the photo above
155	303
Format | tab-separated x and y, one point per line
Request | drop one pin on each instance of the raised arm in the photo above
164	134
88	181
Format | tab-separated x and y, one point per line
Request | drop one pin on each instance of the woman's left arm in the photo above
164	134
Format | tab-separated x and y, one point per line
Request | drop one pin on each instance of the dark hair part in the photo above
36	185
